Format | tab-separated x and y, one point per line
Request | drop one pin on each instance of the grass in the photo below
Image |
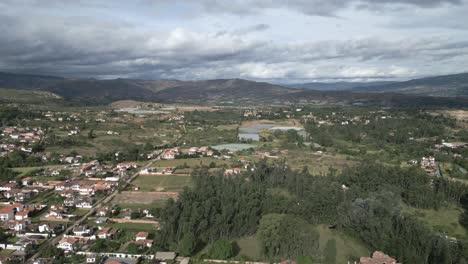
41	197
31	97
79	212
162	183
140	206
249	247
24	171
347	248
189	162
315	163
444	220
127	226
6	252
13	240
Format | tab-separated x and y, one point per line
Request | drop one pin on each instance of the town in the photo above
91	185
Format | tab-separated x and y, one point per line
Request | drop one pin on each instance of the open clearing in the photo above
162	183
143	198
195	162
249	247
444	220
347	248
317	164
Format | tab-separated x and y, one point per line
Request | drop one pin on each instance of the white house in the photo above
141	236
81	231
68	243
44	228
7	187
22	215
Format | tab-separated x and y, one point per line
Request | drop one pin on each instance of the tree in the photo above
440	252
187	245
464	219
3	236
221	249
135	215
330	252
91	134
287	236
51	251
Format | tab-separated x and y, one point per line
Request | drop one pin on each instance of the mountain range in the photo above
443	86
448	90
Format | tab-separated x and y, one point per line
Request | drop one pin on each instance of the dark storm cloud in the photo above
311	7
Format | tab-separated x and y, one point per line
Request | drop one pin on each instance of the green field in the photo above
24	171
249	247
79	212
444	220
140	206
162	183
31	97
189	162
347	248
315	163
126	226
6	252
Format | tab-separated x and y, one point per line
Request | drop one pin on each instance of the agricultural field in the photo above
149	199
161	183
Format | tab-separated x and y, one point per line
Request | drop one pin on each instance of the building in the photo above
68	243
378	257
6	214
165	256
81	231
7	187
106	233
141	236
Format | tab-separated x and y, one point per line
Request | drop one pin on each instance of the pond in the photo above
252	133
234	147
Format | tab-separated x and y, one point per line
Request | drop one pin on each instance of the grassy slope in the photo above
32	97
444	220
347	248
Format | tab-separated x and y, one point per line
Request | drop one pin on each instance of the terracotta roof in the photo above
71	240
142	234
378	257
24	212
6	210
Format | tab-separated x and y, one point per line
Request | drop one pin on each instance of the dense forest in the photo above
365	201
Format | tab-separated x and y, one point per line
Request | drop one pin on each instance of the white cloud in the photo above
270	45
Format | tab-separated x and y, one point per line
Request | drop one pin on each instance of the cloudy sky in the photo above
272	40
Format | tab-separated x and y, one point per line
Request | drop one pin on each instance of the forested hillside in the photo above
365	201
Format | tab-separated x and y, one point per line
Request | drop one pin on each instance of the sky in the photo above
281	41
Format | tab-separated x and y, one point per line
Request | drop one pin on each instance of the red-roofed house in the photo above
68	243
7	213
378	257
141	236
7	187
22	215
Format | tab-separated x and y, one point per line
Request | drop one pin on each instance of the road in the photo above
97	205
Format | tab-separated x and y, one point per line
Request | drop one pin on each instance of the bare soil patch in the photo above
144	197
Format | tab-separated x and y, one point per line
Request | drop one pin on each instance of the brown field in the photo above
289	122
457	114
317	164
143	197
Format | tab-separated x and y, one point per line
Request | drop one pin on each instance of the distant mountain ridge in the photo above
334	86
219	91
444	86
440	86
